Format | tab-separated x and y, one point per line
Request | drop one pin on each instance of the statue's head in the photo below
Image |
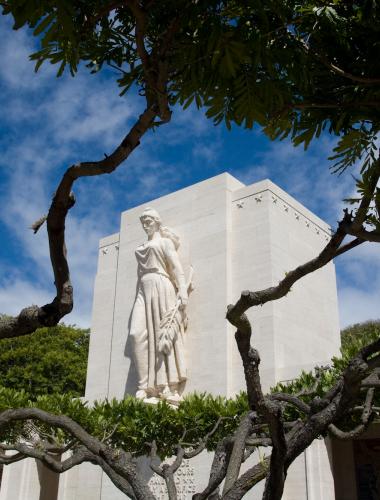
152	223
150	220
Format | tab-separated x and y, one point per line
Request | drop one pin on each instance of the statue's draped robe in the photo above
156	295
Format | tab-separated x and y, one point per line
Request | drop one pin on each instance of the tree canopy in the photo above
356	336
291	67
51	361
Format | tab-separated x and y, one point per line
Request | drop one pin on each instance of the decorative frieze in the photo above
269	196
109	248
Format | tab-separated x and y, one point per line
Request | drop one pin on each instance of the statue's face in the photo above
150	225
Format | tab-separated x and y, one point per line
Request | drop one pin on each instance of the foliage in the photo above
52	360
131	423
247	62
321	379
295	68
357	336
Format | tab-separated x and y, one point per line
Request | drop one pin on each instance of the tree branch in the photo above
10	459
366	417
258	441
349	246
116	463
363	234
35	317
274	485
218	468
248	480
166	471
249	299
335	404
361	212
271	412
292	400
319	414
335	69
198	447
155	66
237	454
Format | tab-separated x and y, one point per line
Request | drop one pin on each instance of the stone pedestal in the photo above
236	237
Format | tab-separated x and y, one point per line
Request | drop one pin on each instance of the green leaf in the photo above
44	24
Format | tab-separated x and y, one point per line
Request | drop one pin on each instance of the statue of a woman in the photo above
161	289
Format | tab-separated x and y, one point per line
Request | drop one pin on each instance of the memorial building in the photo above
182	258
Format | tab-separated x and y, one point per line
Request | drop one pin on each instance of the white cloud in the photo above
358	276
185	123
16	71
253	173
15	294
88	109
207	152
357	305
305	175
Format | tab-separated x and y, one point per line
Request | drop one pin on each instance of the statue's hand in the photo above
183	298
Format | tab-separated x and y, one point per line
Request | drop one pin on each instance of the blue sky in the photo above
48	124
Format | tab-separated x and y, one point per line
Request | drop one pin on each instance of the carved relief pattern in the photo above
258	198
107	249
184	480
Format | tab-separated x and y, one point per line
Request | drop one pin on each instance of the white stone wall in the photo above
201	216
273	234
236	237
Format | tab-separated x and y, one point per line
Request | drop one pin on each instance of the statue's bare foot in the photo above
170	395
165	393
141	394
151	400
174	398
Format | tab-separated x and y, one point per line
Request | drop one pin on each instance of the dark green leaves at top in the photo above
294	68
44	24
357	144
